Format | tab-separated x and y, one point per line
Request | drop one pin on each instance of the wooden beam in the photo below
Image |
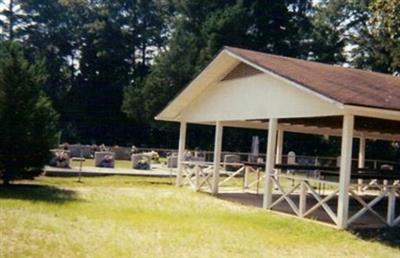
361	124
337	132
345	170
217	156
307	129
270	162
181	152
373	112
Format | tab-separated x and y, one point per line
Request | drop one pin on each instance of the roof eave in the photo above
390	114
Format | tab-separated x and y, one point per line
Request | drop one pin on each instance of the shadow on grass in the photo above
387	236
42	193
160	183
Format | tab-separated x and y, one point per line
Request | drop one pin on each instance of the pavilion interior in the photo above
368	127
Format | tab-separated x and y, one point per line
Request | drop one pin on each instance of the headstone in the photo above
291	158
231	158
255	149
101	159
141	161
172	161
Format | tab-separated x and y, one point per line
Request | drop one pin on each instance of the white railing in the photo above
302	190
197	174
306	191
253	179
298	191
379	193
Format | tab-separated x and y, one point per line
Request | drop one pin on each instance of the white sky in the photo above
3	3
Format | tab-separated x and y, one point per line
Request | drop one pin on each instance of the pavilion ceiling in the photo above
361	124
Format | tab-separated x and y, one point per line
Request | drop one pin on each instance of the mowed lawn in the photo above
149	217
90	163
118	163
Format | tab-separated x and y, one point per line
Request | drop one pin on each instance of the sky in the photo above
3	3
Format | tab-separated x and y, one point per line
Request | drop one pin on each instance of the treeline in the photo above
113	65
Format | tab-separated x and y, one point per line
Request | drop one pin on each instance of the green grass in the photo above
118	163
90	163
148	217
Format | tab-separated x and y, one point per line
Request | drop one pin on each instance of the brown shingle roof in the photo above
345	85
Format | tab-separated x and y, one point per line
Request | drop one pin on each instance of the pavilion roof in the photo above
345	85
245	88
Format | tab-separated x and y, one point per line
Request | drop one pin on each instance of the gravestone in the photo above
99	156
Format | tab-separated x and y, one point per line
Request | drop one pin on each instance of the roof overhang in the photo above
225	62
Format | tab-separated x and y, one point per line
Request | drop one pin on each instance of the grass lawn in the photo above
148	217
118	163
90	163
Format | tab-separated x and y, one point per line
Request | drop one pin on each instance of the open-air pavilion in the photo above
247	89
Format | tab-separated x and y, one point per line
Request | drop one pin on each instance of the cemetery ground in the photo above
118	163
149	217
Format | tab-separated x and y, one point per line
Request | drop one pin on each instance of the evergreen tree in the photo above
200	30
52	31
352	31
92	50
386	26
327	34
120	39
28	122
367	50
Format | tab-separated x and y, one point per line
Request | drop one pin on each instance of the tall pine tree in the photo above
199	30
28	122
386	26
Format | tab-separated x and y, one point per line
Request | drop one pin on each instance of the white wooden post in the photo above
217	156
391	206
361	160
303	199
197	177
246	178
385	184
269	166
181	152
345	170
279	149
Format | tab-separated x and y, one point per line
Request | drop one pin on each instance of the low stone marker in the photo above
104	159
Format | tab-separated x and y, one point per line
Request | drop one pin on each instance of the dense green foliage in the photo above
28	122
113	65
201	30
386	25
